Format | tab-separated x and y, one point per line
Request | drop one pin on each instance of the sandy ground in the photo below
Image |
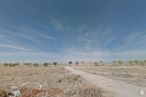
77	81
30	78
135	75
33	77
119	88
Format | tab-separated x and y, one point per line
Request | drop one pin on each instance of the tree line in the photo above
96	63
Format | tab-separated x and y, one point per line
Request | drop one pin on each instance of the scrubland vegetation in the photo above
53	80
43	80
132	72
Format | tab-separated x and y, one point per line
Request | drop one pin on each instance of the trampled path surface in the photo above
119	88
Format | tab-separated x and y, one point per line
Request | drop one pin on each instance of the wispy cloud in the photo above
57	24
107	55
132	41
12	47
26	35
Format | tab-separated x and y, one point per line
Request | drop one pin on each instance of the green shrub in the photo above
55	63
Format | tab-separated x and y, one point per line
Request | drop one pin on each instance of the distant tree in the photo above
5	64
142	63
45	64
55	63
13	64
27	64
70	62
17	64
35	64
101	62
120	62
130	62
137	62
96	63
10	65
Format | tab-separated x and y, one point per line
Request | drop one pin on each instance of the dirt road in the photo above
119	88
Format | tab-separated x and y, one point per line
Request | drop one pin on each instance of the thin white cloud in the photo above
65	25
132	41
57	24
30	34
94	53
46	36
76	55
12	47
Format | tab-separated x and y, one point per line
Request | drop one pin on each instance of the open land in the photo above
50	81
72	81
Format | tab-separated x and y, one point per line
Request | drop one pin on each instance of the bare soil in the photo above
30	80
116	87
135	75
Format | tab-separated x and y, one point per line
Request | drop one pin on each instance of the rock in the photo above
16	93
9	94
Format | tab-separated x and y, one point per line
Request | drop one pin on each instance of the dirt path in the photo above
119	88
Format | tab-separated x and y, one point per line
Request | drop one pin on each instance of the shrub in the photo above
77	62
55	63
120	62
35	64
13	64
5	64
45	64
96	63
137	62
70	62
28	64
130	62
90	91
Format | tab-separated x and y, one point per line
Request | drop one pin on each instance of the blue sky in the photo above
63	30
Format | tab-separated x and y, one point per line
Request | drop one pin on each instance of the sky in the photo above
72	30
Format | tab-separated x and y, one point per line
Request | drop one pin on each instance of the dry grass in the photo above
51	92
56	81
130	74
3	93
90	91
